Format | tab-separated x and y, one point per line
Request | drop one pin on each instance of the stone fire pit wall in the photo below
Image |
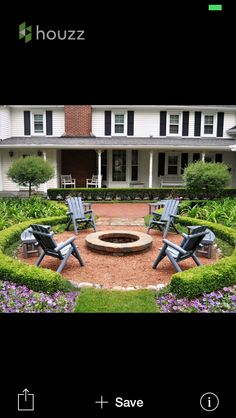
125	242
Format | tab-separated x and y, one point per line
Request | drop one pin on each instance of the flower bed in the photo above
221	301
16	299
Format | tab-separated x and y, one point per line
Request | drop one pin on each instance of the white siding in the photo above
98	121
51	156
7	184
191	123
1	171
146	123
58	121
229	122
17	122
5	123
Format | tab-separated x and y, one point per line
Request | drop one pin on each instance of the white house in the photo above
130	146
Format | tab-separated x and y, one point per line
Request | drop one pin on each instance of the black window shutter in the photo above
196	156
162	124
107	122
161	164
48	122
26	122
218	158
130	125
220	124
184	161
185	123
197	125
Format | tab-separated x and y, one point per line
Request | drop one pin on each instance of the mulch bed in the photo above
110	271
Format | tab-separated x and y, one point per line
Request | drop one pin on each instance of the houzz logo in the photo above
26	33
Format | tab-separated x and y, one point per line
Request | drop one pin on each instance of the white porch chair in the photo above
66	180
93	182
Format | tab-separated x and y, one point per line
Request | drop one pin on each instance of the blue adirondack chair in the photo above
165	219
78	213
50	247
186	249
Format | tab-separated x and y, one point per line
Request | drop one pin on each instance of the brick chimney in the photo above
78	120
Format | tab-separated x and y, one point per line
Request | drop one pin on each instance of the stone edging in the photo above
100	286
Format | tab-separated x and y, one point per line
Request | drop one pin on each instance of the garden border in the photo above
37	279
190	283
126	194
205	279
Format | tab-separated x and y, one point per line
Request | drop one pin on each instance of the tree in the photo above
206	178
30	171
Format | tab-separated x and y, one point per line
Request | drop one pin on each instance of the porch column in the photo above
99	153
45	184
203	157
150	168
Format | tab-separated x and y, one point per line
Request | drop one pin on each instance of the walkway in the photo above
120	214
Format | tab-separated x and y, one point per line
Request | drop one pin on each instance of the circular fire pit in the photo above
118	242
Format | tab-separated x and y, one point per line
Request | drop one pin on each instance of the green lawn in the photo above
100	300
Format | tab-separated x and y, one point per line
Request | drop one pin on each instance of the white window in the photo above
172	165
208	125
119	123
174	123
38	123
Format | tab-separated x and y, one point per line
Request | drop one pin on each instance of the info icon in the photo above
209	401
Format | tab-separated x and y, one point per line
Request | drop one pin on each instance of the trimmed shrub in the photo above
204	279
30	171
126	194
35	278
114	194
206	179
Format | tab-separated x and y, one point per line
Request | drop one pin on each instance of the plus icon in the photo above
101	402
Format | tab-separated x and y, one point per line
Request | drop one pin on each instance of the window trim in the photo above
171	154
134	165
114	113
169	114
32	114
126	166
203	124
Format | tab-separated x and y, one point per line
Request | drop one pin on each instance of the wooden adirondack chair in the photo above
78	213
50	247
186	249
165	219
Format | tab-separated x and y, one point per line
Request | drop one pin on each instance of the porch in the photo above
126	168
116	168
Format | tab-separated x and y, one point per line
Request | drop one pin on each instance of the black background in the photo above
171	52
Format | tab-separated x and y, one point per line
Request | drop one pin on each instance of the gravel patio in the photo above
133	270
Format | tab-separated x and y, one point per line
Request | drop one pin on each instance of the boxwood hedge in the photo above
143	193
35	278
204	279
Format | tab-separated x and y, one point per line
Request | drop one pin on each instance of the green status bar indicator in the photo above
215	7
